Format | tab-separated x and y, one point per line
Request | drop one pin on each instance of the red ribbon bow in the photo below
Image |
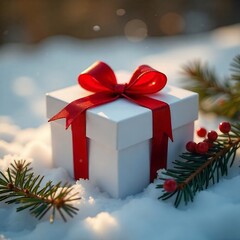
100	78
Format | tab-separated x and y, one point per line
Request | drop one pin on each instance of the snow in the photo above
28	72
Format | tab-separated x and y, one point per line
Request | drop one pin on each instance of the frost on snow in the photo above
214	214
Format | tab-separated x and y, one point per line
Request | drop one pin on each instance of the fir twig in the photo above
195	172
19	185
220	96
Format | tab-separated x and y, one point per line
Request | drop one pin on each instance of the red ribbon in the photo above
100	78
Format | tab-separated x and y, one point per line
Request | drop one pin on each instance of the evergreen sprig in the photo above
195	172
19	185
220	96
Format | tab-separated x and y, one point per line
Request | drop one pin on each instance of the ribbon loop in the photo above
146	80
100	79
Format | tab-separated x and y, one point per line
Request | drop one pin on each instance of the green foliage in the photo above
195	172
221	96
19	185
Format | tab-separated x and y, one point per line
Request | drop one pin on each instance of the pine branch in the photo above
235	68
220	96
19	185
196	171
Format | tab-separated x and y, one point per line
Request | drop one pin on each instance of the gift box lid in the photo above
120	124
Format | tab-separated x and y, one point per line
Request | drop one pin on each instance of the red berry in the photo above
190	146
201	132
225	127
202	147
212	135
170	185
209	142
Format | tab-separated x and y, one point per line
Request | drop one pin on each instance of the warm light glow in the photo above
91	200
102	222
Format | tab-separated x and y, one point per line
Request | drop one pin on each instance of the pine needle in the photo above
194	172
216	94
20	186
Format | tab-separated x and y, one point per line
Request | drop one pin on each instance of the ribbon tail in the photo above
159	148
77	107
162	130
64	113
75	114
79	144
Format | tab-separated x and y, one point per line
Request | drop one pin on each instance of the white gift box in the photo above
119	137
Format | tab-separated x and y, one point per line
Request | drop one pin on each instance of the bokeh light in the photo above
121	12
135	30
96	28
172	23
34	21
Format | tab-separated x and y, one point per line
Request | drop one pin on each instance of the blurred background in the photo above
32	21
46	44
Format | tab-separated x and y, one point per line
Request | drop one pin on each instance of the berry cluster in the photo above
209	138
170	185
